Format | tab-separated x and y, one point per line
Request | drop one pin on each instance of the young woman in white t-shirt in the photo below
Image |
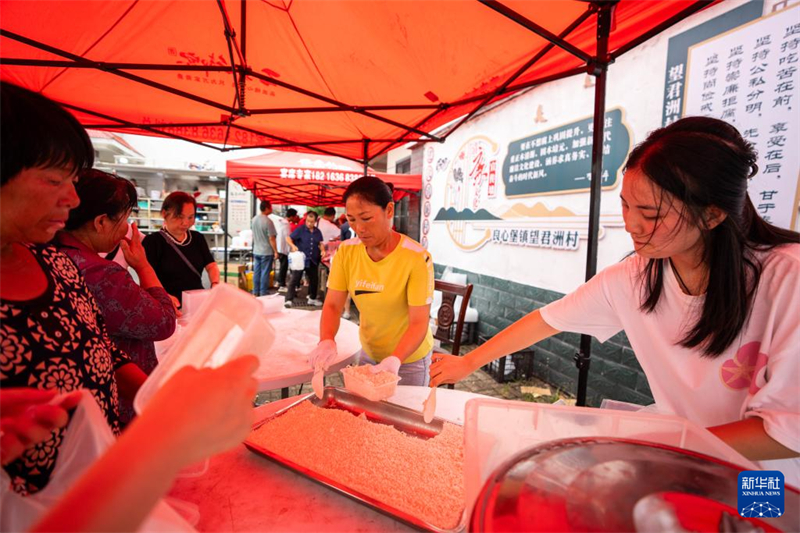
709	301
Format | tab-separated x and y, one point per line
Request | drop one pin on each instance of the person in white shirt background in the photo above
330	231
709	299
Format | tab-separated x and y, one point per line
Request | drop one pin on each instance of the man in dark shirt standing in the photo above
345	232
307	239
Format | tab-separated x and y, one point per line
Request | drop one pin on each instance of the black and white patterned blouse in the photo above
56	341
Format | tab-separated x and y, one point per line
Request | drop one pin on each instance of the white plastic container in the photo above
495	430
272	303
192	300
297	260
229	323
364	387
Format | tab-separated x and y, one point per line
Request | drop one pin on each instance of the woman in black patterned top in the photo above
51	332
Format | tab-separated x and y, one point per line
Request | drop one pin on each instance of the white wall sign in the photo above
239	208
532	239
749	77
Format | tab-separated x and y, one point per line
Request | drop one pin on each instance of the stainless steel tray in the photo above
401	418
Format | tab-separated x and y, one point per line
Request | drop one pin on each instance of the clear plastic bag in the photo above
86	438
229	323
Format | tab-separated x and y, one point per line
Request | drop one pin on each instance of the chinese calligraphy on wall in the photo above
560	159
238	208
749	77
536	238
678	53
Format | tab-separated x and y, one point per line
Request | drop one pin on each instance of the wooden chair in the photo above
447	318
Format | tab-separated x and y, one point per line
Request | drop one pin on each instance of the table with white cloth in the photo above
244	253
243	491
296	334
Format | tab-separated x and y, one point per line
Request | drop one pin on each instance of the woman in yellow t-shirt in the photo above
390	279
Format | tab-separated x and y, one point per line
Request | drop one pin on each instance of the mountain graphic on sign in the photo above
466	214
536	210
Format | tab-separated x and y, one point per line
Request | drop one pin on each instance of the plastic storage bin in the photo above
228	324
364	387
496	430
272	303
191	301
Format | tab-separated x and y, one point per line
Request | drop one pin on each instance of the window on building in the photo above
403	166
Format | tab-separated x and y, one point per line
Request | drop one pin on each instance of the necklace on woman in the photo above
185	241
683	285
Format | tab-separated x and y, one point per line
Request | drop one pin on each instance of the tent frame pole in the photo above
242	71
252	238
328	143
555	41
142	126
101	126
352	108
366	156
226	234
484	99
330	109
599	69
243	29
305	145
239	78
122	74
691	10
537	29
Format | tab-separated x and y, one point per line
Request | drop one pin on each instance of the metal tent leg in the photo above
599	70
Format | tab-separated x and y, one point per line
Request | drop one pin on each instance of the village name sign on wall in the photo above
553	162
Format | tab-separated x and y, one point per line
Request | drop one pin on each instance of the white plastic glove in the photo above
323	355
390	364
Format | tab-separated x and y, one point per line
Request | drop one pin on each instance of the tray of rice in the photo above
382	455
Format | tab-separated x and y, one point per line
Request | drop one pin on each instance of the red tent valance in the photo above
307	179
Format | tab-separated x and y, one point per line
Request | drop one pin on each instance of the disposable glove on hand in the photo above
390	364
323	355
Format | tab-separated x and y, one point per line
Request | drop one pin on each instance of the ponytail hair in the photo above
101	193
705	162
371	189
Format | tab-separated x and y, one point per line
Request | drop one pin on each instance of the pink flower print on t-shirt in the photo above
742	371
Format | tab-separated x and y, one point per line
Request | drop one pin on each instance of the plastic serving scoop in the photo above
318	381
429	406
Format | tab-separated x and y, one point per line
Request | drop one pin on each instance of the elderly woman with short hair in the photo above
178	254
52	333
136	315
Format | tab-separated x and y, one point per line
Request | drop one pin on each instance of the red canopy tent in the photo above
308	179
352	78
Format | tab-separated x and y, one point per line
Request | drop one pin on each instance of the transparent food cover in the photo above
228	323
602	484
495	430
